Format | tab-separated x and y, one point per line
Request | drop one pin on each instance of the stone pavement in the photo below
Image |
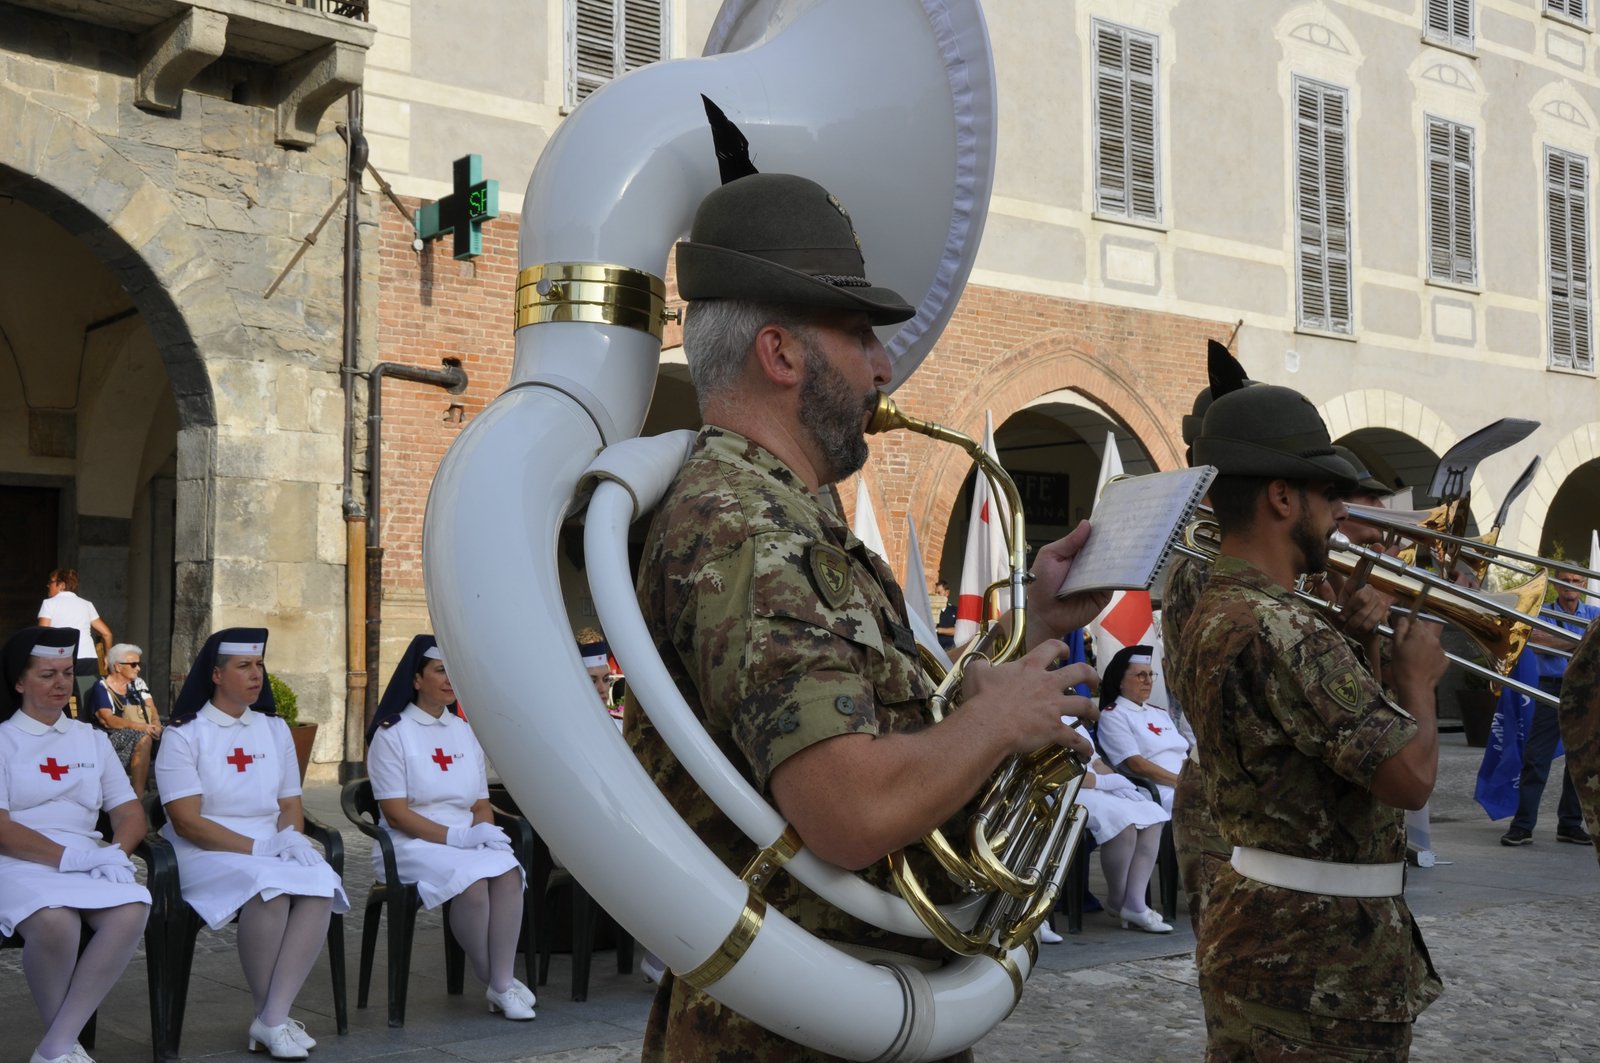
1512	932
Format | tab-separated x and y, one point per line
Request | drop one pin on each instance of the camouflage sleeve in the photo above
779	669
1331	707
1580	725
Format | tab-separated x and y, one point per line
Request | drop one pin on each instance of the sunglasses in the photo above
133	664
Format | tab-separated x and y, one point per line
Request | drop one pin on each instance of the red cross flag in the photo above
985	560
1128	619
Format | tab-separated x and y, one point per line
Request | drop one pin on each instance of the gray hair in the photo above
119	653
718	335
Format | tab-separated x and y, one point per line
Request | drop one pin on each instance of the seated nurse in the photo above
1136	736
431	782
231	785
56	776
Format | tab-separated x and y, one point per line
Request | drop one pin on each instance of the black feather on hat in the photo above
1116	671
402	689
26	644
1223	370
198	687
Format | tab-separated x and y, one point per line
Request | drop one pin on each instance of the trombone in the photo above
1498	623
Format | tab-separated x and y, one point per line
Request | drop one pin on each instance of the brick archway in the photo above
926	477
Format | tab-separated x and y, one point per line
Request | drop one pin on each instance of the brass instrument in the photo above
1021	838
1497	622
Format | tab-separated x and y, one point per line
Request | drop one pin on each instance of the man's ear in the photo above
780	356
1281	499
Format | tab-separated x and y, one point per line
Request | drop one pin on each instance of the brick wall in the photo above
1002	350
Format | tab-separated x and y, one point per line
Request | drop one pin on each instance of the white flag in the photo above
985	560
1594	566
865	525
918	604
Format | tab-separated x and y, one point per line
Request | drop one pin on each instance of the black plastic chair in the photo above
183	928
403	902
545	882
160	872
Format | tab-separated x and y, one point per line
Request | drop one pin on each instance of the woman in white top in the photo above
231	785
1126	826
56	776
431	782
63	608
1135	736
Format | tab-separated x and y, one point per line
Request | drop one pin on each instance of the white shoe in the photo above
1146	920
654	970
279	1040
524	992
509	1003
298	1030
75	1054
1048	935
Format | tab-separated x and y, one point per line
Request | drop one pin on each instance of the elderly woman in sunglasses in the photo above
121	711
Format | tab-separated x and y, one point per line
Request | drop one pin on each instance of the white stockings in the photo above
279	941
1128	860
486	918
66	987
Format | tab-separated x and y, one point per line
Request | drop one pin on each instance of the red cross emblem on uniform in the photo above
1153	728
239	760
54	770
441	759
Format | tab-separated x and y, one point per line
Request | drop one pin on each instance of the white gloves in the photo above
287	844
479	835
113	873
98	856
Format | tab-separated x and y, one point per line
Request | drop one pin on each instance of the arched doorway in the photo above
1574	515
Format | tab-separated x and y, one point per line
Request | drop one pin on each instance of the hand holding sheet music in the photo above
1136	524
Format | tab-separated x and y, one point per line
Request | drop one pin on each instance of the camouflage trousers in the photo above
1239	1030
1200	849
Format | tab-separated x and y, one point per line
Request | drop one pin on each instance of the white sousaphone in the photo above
890	105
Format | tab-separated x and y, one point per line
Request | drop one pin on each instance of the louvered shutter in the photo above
1577	10
1450	21
609	37
1127	179
1567	221
1322	206
1452	254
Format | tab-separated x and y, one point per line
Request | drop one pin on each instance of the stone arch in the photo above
66	171
1578	447
1053	362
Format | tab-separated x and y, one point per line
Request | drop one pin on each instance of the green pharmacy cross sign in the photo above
463	211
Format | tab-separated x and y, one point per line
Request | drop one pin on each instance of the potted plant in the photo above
304	734
1478	702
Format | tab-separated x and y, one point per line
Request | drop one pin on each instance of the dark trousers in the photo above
1537	752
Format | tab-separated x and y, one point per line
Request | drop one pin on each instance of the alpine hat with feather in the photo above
1269	431
779	238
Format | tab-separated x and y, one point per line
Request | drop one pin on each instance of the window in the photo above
608	38
1450	22
1322	205
1576	10
1452	255
1127	179
1566	178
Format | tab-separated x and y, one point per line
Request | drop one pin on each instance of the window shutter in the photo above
644	24
593	46
1127	178
1322	206
1452	252
1449	21
1577	10
1567	210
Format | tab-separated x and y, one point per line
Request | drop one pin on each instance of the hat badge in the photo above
833	201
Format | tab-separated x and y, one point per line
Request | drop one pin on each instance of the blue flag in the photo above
1499	774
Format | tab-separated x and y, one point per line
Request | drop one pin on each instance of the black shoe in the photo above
1517	836
1575	835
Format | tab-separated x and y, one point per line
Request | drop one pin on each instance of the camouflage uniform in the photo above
1291	728
1199	847
1580	726
782	630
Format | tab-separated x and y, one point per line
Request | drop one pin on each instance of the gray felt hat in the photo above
778	238
1273	432
1365	481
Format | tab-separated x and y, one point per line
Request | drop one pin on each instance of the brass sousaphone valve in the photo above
1026	826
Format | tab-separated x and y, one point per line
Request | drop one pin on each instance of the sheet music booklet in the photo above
1137	523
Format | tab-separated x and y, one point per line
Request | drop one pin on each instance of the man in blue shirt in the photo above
1574	614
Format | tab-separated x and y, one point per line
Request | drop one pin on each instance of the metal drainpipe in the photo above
454	380
356	674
